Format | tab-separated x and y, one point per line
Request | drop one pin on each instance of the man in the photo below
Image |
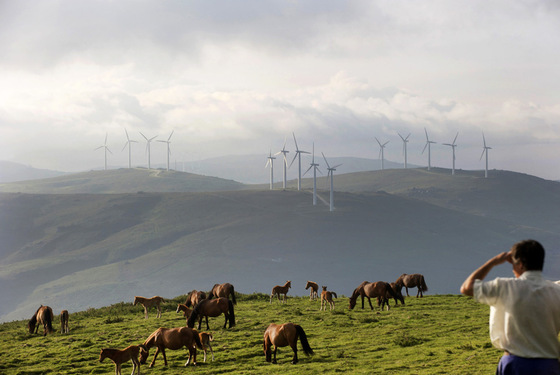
524	311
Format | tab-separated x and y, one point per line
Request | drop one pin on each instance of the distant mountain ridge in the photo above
10	172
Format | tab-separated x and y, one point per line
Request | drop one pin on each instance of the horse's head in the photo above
289	284
324	288
102	355
143	354
135	301
178	308
31	324
267	351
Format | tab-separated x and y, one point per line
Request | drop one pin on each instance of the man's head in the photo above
529	253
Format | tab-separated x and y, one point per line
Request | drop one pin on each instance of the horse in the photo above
174	339
223	290
327	298
284	335
43	316
278	289
64	321
398	295
313	292
149	302
412	281
121	356
194	297
186	310
372	290
212	308
205	339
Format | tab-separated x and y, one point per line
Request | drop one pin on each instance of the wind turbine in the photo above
298	156
168	149
283	151
271	162
129	144
485	151
315	167
382	152
331	173
428	143
405	141
104	146
453	145
148	141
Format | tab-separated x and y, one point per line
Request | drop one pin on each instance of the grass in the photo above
440	334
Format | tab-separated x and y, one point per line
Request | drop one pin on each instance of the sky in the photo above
241	77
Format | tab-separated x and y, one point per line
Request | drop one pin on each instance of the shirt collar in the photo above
531	275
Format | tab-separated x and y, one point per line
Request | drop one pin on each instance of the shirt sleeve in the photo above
486	291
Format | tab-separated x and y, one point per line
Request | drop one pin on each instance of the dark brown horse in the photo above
223	290
412	281
174	339
43	316
283	335
373	290
281	289
212	308
64	321
194	297
398	295
314	292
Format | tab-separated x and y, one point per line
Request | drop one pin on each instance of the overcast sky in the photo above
238	77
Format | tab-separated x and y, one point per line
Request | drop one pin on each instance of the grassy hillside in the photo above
431	335
93	250
117	181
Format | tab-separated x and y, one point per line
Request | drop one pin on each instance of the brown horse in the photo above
174	339
149	302
284	335
398	295
194	297
212	308
313	292
412	281
327	298
64	321
43	316
223	290
205	339
281	289
372	290
185	309
121	356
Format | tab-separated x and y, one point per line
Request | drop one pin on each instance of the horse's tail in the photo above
424	286
334	294
303	338
390	290
231	314
233	295
49	317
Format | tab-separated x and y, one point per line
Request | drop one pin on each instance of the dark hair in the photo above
530	253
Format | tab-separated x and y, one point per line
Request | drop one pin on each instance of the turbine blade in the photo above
378	141
308	169
427	143
328	166
294	159
481	155
126	134
143	136
336	166
170	135
455	137
295	140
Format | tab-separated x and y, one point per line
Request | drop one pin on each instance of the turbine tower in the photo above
168	148
129	144
283	151
298	156
271	162
148	141
104	146
315	167
331	174
405	141
453	145
428	143
485	151
382	152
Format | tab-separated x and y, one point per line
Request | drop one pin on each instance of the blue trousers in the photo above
514	365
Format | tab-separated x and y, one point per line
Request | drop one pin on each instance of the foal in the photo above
327	298
205	339
149	302
313	293
281	289
121	356
64	321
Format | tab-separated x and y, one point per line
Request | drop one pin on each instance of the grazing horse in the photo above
412	281
280	289
194	297
64	321
284	335
149	302
174	339
43	316
372	290
313	292
186	310
121	356
212	308
223	290
327	298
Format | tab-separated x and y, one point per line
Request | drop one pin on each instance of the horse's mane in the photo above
194	313
150	341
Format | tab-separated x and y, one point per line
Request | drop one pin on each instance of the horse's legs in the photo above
192	354
155	355
274	354
135	363
158	312
294	348
211	352
271	296
145	312
406	291
225	323
207	326
370	305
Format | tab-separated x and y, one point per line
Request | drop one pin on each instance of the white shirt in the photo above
524	314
